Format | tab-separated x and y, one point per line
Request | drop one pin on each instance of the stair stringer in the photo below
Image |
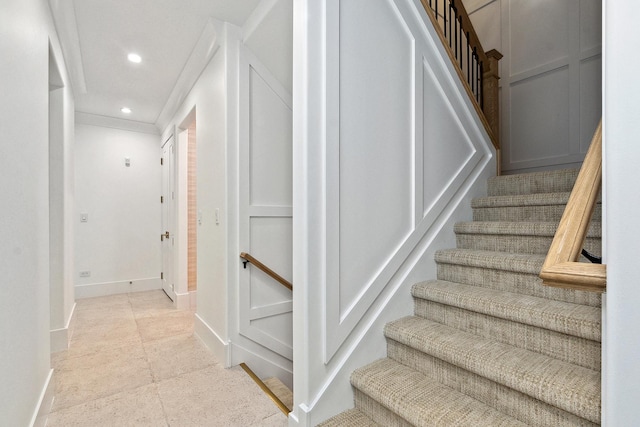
338	314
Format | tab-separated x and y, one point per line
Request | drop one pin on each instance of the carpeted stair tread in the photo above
421	401
567	318
569	387
505	271
516	228
517	237
579	351
518	263
351	418
532	207
511	402
555	181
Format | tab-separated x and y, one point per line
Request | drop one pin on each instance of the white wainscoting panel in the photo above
448	148
540	32
270	140
265	210
550	82
400	144
540	106
379	136
590	99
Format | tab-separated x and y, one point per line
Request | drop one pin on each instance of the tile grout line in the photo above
154	380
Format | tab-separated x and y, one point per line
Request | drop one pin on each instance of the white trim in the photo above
262	367
256	17
45	401
182	301
213	341
113	288
115	123
60	337
204	50
64	17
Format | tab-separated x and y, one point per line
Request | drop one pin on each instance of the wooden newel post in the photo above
491	94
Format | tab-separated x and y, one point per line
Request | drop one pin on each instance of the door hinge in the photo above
161	275
161	199
161	161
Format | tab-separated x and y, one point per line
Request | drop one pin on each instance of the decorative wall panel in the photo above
265	209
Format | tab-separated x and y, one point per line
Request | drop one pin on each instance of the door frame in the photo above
168	215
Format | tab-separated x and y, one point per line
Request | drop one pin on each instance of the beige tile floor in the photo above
133	361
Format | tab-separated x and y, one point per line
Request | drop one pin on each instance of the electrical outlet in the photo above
85	273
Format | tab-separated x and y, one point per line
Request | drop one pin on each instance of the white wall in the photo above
387	153
621	210
120	242
26	29
208	97
61	204
550	77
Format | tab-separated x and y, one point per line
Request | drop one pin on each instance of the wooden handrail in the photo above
279	403
284	282
560	268
485	99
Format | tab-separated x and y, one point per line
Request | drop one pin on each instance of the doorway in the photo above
167	199
187	212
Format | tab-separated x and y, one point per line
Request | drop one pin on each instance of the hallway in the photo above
133	360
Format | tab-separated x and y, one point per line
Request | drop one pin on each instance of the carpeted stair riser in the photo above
579	351
535	207
386	385
513	237
352	418
507	272
374	409
507	400
571	388
572	319
557	181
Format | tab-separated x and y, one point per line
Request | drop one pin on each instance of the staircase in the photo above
488	344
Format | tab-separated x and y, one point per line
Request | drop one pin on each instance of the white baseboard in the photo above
113	288
182	301
60	337
212	340
262	367
39	418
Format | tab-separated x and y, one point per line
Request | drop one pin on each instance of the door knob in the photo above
165	235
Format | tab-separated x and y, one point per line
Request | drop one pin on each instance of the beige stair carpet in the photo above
488	344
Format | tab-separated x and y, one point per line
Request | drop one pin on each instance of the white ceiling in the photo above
97	35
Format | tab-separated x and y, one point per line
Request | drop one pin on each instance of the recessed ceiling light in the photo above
126	110
134	57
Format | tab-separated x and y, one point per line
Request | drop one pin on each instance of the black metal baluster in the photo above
461	55
481	85
473	70
455	27
444	14
450	19
468	62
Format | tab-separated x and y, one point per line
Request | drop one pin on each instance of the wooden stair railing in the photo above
279	403
477	69
248	258
560	268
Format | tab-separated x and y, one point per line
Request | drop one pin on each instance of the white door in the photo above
168	217
265	208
